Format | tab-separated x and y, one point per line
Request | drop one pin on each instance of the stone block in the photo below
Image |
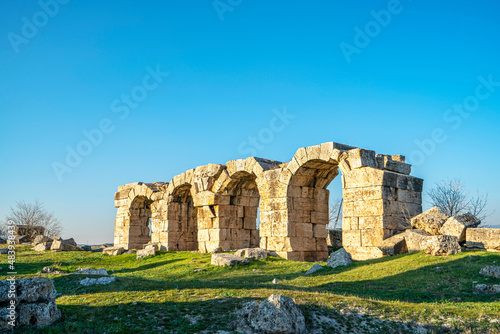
430	221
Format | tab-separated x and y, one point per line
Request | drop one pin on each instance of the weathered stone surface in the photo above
334	238
252	253
486	288
414	240
99	281
214	208
151	251
4	251
430	221
394	245
58	245
51	270
39	239
43	246
113	251
27	233
38	314
453	227
86	248
469	220
70	241
89	271
223	259
490	271
314	269
483	238
441	245
275	315
339	258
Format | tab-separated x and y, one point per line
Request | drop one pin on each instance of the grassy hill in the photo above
165	294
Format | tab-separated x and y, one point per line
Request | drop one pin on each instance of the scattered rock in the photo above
456	226
483	239
89	271
61	245
2	241
441	245
252	253
35	302
4	251
414	240
339	258
39	239
151	251
394	245
485	288
430	221
152	246
275	281
314	269
217	250
131	251
70	241
86	248
100	281
43	246
490	271
198	270
51	270
275	315
223	259
113	251
38	314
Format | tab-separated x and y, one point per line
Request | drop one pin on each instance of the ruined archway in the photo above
216	206
181	220
239	217
140	216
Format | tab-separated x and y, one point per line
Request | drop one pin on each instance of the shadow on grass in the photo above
209	316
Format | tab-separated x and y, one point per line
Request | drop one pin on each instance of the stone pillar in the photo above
379	196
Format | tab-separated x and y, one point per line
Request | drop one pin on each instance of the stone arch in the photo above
238	218
180	220
134	216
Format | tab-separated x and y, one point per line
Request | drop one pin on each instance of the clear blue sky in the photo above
230	68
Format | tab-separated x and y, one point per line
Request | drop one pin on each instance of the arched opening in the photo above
239	216
140	215
181	220
308	215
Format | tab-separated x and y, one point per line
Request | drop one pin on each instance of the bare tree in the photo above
34	214
452	198
335	213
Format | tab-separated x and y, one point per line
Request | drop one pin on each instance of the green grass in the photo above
164	294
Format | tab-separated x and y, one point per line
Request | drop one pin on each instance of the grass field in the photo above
163	293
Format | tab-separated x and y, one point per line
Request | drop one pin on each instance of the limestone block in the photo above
318	217
490	271
59	245
252	253
321	245
361	158
394	245
113	250
148	251
223	260
430	221
339	258
414	240
377	222
453	227
441	245
359	253
351	238
43	246
320	231
350	223
483	238
374	237
304	230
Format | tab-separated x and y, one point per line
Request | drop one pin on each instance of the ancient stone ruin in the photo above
216	205
27	233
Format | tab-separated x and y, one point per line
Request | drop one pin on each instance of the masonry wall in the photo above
216	206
